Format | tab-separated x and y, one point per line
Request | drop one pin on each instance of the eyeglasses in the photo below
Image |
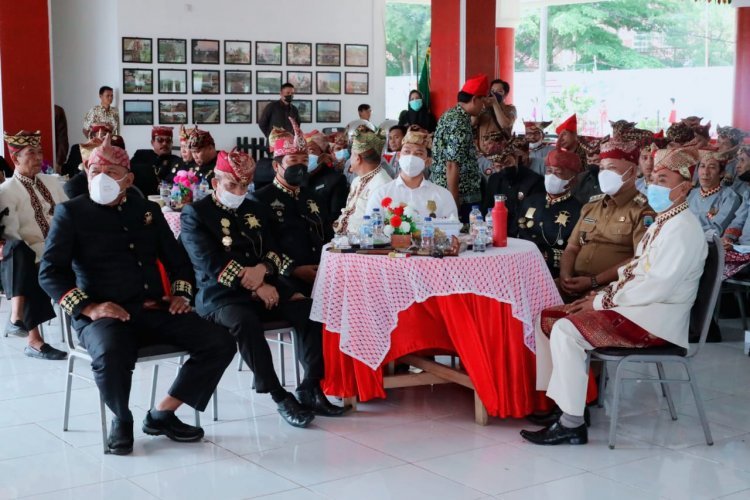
164	140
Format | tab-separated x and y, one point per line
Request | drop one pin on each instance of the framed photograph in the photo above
302	81
237	52
173	112
137	81
172	50
328	54
328	82
205	51
328	111
238	82
356	83
238	111
355	55
268	53
173	81
137	50
267	82
206	111
260	106
206	81
304	106
137	112
298	54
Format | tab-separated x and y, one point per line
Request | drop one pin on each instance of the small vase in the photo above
401	241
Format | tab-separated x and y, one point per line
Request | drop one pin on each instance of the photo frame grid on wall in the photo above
356	55
238	52
267	82
206	81
204	51
298	54
172	50
302	81
328	82
172	81
260	106
268	53
356	82
137	50
238	111
206	111
173	112
137	112
137	81
305	108
328	111
328	54
238	82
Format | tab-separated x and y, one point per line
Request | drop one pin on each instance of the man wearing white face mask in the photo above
410	187
324	182
547	219
610	226
102	265
538	149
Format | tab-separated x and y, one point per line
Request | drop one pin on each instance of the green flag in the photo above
424	81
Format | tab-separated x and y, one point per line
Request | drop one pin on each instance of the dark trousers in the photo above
20	276
114	345
245	323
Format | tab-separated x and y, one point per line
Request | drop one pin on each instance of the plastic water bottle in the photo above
488	223
164	191
480	235
365	233
475	212
175	196
202	190
377	226
428	236
251	188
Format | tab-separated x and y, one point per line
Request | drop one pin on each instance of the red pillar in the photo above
445	80
25	68
505	44
742	71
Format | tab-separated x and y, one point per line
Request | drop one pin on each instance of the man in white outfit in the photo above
649	304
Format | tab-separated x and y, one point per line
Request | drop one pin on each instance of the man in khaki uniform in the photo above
610	226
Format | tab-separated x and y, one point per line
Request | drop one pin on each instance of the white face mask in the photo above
610	181
534	145
555	185
230	200
411	165
103	189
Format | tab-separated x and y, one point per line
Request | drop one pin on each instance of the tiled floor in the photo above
420	443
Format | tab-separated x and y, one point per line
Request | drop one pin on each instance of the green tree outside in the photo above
405	25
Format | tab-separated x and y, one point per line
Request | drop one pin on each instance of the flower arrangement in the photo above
182	189
399	219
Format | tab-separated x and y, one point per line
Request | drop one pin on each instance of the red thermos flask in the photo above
499	222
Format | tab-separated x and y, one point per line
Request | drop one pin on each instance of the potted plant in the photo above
182	190
398	223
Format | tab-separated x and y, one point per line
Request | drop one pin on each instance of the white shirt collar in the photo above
400	181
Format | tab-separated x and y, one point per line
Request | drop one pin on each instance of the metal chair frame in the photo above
279	329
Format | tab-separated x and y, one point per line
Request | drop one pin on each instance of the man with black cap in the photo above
203	149
152	166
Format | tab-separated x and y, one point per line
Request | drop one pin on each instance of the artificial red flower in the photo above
386	202
396	221
398	211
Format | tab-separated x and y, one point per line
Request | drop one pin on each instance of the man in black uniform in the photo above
326	183
300	223
587	182
230	240
100	264
547	219
203	148
152	166
516	181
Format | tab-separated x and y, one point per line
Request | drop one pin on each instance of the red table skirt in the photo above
480	330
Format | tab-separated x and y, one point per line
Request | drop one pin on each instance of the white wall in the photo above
79	73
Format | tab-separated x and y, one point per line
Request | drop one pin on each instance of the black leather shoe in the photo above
158	423
120	441
547	419
16	328
45	352
317	402
294	413
557	434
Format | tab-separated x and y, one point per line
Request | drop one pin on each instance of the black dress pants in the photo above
114	344
245	323
20	276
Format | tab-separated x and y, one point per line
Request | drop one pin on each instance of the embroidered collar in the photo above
294	193
663	217
710	192
28	181
370	175
552	200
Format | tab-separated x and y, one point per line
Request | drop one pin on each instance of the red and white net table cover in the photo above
360	296
173	219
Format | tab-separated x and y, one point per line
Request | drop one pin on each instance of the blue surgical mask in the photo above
342	154
658	197
416	104
312	163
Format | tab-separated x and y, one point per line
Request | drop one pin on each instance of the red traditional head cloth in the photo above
185	133
162	132
476	85
98	127
107	154
619	150
289	144
571	125
536	125
681	160
200	139
563	159
22	140
236	163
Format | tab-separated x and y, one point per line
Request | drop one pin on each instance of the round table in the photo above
173	219
481	306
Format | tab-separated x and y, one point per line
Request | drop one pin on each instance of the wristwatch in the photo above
594	283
